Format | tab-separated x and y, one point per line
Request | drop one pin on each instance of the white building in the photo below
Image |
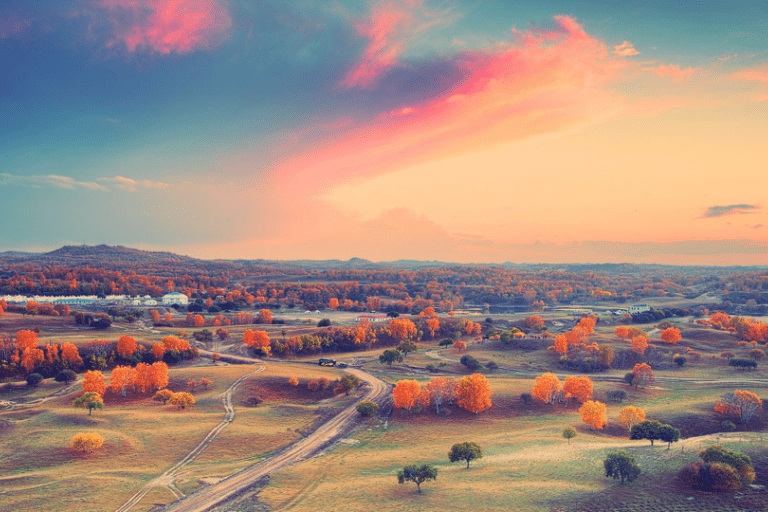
150	302
175	298
638	308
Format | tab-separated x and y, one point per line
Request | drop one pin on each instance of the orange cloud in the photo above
625	49
168	26
756	74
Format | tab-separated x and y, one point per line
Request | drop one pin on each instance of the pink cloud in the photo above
168	26
625	49
674	72
388	29
757	74
542	82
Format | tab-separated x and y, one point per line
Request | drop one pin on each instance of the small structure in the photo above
638	308
150	302
373	318
172	298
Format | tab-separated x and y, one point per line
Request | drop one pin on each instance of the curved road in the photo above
168	478
217	493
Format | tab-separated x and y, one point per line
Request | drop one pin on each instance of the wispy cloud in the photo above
674	72
625	49
167	26
731	209
130	184
388	29
50	180
69	183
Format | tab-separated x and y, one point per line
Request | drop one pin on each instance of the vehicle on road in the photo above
324	361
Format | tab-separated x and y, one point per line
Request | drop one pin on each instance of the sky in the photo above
470	131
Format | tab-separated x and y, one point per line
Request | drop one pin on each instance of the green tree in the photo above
465	451
622	465
417	474
33	379
447	342
669	434
648	429
391	355
347	384
569	433
66	376
472	364
367	408
90	400
407	346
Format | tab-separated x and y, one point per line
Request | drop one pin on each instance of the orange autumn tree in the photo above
26	339
630	416
175	344
402	329
70	356
168	317
158	351
121	379
333	303
51	353
593	413
561	344
205	382
264	316
259	340
93	382
671	335
579	388
154	315
424	398
473	393
546	387
405	394
459	345
126	346
32	358
741	404
642	375
639	344
534	322
199	320
158	375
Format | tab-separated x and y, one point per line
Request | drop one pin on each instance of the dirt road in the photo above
215	494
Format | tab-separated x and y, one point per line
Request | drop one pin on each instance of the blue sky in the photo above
289	129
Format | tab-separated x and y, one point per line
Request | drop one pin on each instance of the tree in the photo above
158	350
87	442
630	416
440	389
669	434
293	381
741	404
741	462
402	329
33	379
90	400
121	379
621	465
347	384
367	408
471	363
407	346
264	316
25	339
459	346
126	346
182	400
679	360
259	340
467	451
93	380
391	355
163	396
32	358
333	303
65	376
534	322
639	344
473	393
205	382
579	388
757	354
742	363
546	387
593	413
671	335
405	394
642	375
417	474
569	433
648	429
192	383
222	334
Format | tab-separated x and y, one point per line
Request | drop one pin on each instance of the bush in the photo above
471	363
66	376
526	398
325	322
431	368
367	408
742	364
723	477
33	379
728	426
618	395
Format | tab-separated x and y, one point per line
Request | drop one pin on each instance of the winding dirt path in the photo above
217	493
168	478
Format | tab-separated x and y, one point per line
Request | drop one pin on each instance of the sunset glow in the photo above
398	129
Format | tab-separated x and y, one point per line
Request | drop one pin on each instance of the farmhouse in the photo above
638	308
175	298
373	318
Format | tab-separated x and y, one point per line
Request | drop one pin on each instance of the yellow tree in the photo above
546	387
473	393
593	413
182	400
87	442
630	416
121	379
